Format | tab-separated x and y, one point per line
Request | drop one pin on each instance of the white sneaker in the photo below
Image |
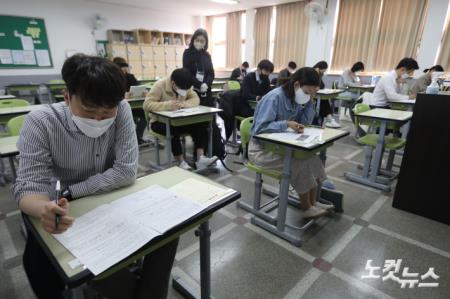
332	123
314	212
184	165
323	206
204	162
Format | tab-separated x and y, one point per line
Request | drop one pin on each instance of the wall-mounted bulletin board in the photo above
24	43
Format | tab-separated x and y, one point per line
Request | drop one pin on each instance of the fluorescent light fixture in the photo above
230	2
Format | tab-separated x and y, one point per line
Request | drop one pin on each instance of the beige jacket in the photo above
160	95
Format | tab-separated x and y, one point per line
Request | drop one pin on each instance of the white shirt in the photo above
387	89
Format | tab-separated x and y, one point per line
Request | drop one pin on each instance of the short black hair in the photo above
97	81
245	64
120	62
321	65
436	68
266	64
292	65
357	67
408	63
304	76
182	78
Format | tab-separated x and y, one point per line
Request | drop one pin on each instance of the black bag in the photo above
218	145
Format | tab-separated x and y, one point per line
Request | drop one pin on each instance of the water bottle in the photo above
433	88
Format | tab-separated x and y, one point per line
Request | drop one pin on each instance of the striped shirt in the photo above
52	147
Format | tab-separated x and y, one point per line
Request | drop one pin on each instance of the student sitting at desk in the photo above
285	74
256	84
350	77
390	85
421	83
138	114
239	73
286	107
170	94
88	143
325	110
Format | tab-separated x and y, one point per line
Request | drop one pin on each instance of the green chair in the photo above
256	208
391	143
233	85
56	81
15	124
10	103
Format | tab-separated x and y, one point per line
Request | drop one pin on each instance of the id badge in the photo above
200	76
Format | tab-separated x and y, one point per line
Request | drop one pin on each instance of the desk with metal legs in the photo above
372	165
277	225
199	114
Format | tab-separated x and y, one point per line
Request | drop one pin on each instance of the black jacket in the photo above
237	72
194	61
131	81
251	88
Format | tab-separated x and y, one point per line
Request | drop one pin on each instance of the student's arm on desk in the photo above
192	99
264	121
32	186
391	92
124	169
153	100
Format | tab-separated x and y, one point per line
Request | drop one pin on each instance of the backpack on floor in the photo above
218	146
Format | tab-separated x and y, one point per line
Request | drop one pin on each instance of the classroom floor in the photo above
248	262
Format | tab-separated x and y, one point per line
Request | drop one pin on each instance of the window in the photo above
218	41
273	22
377	32
243	29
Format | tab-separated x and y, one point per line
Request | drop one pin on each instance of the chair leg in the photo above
368	159
158	161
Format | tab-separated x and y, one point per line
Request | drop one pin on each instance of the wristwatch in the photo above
67	194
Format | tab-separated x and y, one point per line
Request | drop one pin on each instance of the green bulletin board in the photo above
24	43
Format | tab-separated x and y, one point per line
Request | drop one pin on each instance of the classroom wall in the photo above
69	26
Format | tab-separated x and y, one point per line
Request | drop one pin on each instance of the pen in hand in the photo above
57	197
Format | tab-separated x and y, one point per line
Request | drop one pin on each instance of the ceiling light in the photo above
226	1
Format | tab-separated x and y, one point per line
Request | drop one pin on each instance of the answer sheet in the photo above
200	192
111	232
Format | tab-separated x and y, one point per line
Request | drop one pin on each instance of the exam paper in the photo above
109	233
102	238
157	208
310	136
202	193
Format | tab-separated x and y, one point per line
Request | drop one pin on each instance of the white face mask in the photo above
199	45
435	75
405	76
91	127
182	92
301	97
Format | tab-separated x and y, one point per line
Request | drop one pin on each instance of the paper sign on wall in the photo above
43	58
27	42
5	56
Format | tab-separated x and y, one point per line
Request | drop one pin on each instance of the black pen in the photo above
57	197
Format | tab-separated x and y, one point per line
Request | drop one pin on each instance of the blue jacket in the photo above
275	109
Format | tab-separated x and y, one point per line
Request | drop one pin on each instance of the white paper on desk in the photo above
104	237
310	136
202	193
27	42
5	56
43	58
157	208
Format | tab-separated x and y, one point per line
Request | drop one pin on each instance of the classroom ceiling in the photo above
193	7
